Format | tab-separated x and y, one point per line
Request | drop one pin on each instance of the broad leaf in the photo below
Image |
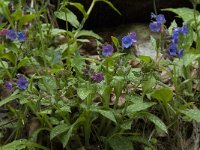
58	130
67	15
163	94
185	13
139	106
106	113
120	143
22	144
25	19
88	33
192	113
157	121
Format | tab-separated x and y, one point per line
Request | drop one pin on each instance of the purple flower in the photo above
173	49
8	85
184	30
175	35
127	41
133	37
107	50
155	26
98	77
160	19
22	83
180	53
21	36
3	32
11	34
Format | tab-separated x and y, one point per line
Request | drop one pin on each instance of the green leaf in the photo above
120	143
192	113
147	85
139	106
14	96
88	33
115	41
106	113
65	137
10	56
17	15
4	65
157	121
78	62
25	19
146	59
118	84
163	94
58	130
111	5
56	31
189	58
186	13
23	62
142	140
172	26
80	7
85	89
22	144
67	15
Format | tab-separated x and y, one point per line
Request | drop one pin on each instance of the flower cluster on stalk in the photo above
173	49
129	40
12	35
22	84
107	50
156	26
98	77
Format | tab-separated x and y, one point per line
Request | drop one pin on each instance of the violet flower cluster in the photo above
98	77
107	50
12	35
129	40
173	49
22	84
156	26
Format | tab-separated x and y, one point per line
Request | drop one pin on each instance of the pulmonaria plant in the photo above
156	26
129	40
173	49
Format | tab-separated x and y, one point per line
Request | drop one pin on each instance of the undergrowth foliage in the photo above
53	96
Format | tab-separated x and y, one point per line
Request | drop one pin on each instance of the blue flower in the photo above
133	37
98	77
160	18
21	36
22	83
155	26
180	53
11	34
173	49
107	50
127	41
8	85
175	35
184	30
